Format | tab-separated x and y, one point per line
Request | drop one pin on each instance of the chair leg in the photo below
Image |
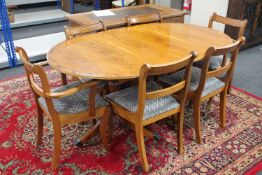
223	97
229	86
141	146
40	118
104	126
180	140
57	148
196	115
208	105
64	80
174	119
110	127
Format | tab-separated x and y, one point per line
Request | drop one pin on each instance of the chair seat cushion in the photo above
118	3
78	102
128	99
214	63
211	84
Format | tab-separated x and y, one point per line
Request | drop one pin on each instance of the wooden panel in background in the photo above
252	11
119	19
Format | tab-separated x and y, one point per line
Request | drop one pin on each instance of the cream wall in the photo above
203	9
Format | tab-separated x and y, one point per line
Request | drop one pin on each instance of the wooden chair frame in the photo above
136	118
241	24
59	120
72	32
224	73
144	18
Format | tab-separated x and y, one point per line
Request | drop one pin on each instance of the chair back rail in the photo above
241	24
38	91
32	70
144	18
72	32
167	91
149	70
225	71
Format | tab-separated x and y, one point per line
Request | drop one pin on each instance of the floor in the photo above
247	75
248	72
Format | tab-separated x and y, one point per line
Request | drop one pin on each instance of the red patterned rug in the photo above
233	150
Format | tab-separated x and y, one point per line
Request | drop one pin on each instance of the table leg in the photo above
90	133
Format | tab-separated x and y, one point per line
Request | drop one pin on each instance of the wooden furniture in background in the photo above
143	19
147	103
252	11
206	84
119	19
119	54
75	103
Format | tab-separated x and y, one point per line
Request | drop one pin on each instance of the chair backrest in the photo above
143	19
72	32
156	70
225	71
32	70
240	24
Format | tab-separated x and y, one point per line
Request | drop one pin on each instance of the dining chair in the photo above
147	102
144	19
71	104
216	61
207	83
72	32
118	3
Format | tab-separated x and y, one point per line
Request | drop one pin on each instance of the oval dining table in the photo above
120	53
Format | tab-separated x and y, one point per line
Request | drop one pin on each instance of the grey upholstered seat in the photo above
214	63
78	102
128	99
211	85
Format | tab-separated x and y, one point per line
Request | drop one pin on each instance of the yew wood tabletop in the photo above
120	53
